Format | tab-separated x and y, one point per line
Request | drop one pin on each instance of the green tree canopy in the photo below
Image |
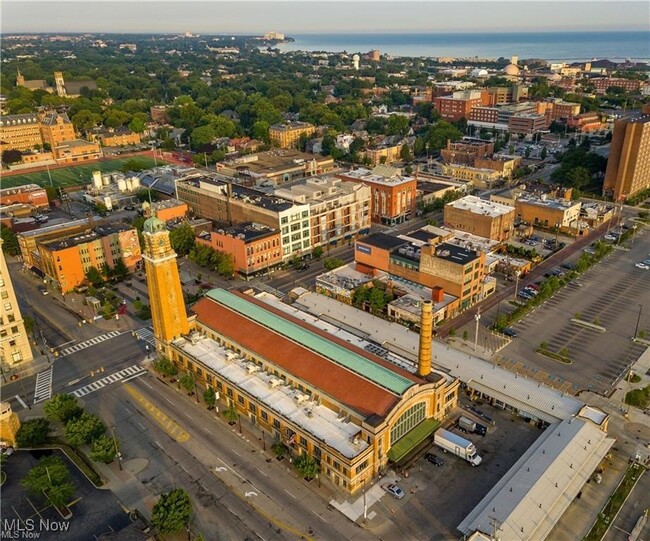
10	241
33	432
104	449
209	397
307	466
94	276
52	477
172	511
182	239
84	429
62	407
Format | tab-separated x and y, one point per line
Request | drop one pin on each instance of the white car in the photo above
394	490
642	265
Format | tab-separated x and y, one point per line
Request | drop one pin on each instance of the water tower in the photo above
355	61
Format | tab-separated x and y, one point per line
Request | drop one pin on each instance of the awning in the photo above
416	436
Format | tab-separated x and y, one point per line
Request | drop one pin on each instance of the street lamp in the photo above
477	318
638	320
119	455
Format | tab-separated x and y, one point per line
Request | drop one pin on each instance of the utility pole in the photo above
477	318
516	284
119	455
638	320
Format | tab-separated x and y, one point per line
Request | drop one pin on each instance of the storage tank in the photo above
97	180
135	183
129	185
121	184
106	179
108	202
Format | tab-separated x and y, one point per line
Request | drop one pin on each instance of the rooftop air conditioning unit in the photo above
252	368
274	382
300	398
230	355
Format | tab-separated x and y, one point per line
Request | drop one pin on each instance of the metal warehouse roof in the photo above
381	375
532	496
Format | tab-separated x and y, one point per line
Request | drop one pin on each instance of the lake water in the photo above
545	45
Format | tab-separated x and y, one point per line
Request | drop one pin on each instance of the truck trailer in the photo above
453	443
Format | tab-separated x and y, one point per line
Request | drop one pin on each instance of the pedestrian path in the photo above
123	375
43	388
146	334
89	343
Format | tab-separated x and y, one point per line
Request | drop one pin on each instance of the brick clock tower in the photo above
168	313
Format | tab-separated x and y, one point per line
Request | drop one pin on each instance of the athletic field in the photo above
73	175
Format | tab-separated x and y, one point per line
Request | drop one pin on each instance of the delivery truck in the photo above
459	446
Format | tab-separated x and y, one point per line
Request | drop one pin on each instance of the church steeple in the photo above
168	313
20	80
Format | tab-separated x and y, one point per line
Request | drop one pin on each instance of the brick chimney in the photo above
426	334
437	294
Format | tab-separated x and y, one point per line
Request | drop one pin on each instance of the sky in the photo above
321	16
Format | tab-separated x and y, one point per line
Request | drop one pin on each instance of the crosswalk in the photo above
123	375
43	388
89	343
146	334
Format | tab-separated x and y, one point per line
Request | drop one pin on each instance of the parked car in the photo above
434	460
43	290
302	267
394	491
509	331
642	265
609	237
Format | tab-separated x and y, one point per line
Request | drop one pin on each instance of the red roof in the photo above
317	371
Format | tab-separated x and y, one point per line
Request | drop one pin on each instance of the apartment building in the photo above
392	196
233	204
601	84
57	130
501	95
466	151
253	247
460	104
526	124
628	165
287	135
478	177
479	217
383	154
118	137
65	261
15	350
338	209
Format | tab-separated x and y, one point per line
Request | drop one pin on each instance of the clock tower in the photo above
165	294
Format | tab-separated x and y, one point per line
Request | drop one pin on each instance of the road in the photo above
239	489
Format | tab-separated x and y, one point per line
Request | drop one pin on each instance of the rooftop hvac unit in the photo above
274	382
252	368
300	398
230	355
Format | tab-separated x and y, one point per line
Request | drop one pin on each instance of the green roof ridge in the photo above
374	372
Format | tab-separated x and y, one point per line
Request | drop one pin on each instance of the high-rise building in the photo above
168	314
628	166
14	343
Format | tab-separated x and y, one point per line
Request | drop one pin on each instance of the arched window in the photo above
407	421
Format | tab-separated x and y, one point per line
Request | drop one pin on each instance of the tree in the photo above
231	414
33	432
86	120
332	263
94	276
12	156
182	239
578	177
317	252
52	478
187	381
203	135
376	300
397	125
120	270
260	131
307	466
165	367
9	241
137	125
405	153
85	429
104	449
172	511
62	407
544	153
209	397
29	323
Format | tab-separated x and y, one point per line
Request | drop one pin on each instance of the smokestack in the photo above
426	333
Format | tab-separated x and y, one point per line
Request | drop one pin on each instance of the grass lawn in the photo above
73	175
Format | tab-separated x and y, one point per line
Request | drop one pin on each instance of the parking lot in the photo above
613	295
438	498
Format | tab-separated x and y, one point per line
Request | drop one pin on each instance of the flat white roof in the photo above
477	205
312	418
528	395
531	497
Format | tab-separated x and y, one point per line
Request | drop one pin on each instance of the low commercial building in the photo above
478	177
253	247
479	217
527	124
275	167
544	212
287	135
28	194
232	204
506	165
586	122
392	197
466	151
168	210
65	261
338	209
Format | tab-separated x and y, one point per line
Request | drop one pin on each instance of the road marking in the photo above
89	343
43	387
157	443
130	372
290	494
183	468
168	400
188	415
204	487
141	426
236	452
145	383
261	472
134	376
205	429
21	401
315	513
167	423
